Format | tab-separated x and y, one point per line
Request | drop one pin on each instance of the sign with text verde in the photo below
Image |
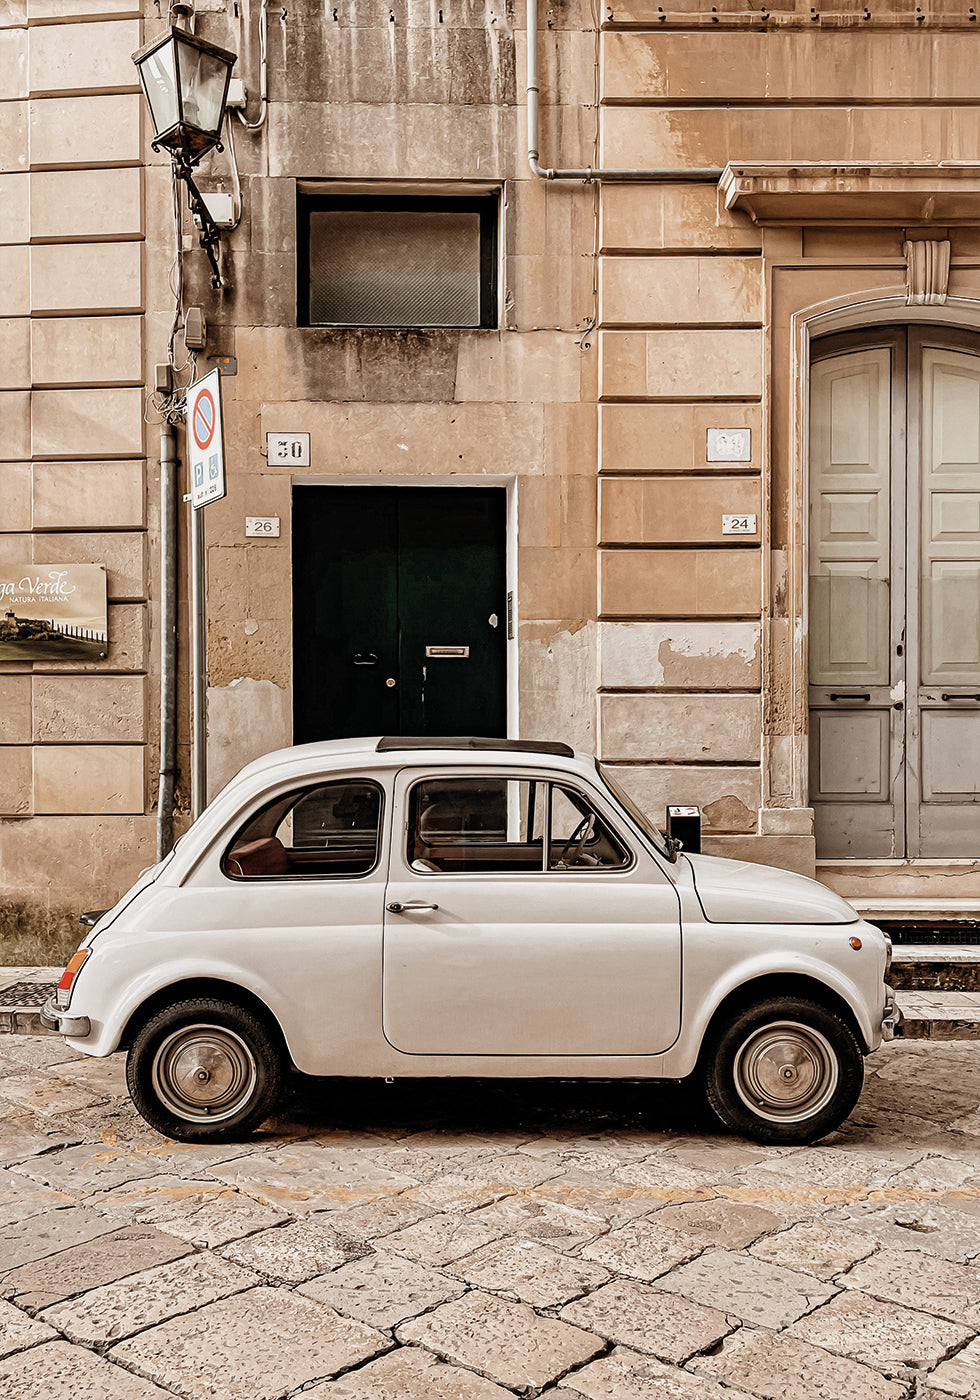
205	446
53	612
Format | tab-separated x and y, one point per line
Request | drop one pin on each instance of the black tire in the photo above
785	1070
205	1070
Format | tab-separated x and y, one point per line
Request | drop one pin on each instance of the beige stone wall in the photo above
75	739
633	322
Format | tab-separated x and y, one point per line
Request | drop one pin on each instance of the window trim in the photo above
551	781
300	792
486	204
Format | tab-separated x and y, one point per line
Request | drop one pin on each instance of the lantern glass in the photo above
185	80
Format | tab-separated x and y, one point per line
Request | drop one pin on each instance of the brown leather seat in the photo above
266	856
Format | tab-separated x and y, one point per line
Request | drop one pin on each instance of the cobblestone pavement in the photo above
465	1241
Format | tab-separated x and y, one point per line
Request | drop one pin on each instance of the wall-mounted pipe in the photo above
588	174
168	639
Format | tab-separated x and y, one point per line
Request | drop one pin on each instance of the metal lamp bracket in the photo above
210	236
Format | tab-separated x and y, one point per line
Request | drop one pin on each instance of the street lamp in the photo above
185	82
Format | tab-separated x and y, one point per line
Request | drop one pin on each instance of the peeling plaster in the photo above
246	719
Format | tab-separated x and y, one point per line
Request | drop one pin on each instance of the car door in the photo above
523	918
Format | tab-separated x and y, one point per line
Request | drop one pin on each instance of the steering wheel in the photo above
573	847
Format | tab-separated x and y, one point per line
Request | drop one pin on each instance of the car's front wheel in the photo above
204	1070
785	1070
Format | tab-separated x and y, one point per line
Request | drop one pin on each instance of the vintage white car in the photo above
470	907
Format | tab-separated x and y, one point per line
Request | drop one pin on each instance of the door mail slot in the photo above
447	651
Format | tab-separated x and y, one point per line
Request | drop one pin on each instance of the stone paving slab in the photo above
293	1253
383	1289
97	1261
18	1331
117	1310
644	1249
20	1198
931	1225
814	1247
530	1272
408	1374
57	1371
720	1221
28	1240
638	1316
628	1375
960	1375
309	1177
766	1294
880	1334
507	1342
254	1346
204	1213
440	1239
787	1368
921	1281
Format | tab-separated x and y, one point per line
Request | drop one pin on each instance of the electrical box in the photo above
684	825
236	94
195	328
221	207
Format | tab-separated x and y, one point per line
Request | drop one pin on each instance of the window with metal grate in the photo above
398	261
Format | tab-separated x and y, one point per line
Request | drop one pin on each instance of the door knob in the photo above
390	682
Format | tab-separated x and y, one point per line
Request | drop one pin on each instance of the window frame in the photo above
550	781
298	793
486	204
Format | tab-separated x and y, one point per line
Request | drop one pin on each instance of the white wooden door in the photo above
894	610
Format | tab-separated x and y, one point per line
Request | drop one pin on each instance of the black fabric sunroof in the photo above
392	742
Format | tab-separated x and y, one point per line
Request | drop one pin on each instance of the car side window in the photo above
331	829
497	825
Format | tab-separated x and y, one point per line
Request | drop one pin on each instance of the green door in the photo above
399	611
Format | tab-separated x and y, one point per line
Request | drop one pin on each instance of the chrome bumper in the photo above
892	1019
54	1020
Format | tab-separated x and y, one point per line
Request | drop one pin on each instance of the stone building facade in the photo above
637	387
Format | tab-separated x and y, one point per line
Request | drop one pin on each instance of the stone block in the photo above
680	656
440	1239
103	203
676	509
16	782
127	645
731	1224
680	728
786	821
780	1367
382	1289
74	10
816	1248
680	583
628	1375
759	1292
246	718
16	514
643	1249
530	1272
15	709
13	136
66	132
920	1281
636	1315
93	277
15	281
409	1372
785	852
690	364
264	1342
14	200
87	422
15	359
880	1334
680	291
89	709
13	62
557	510
44	1282
557	680
84	57
89	495
59	1371
960	1375
89	778
18	1331
508	1342
661	437
106	1314
15	415
103	350
728	797
557	583
682	217
506	368
292	1253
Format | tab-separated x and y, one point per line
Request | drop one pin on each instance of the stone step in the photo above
939	1016
23	991
920	968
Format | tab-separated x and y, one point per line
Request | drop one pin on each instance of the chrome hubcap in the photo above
786	1072
203	1073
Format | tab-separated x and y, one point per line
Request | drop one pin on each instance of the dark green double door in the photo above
399	611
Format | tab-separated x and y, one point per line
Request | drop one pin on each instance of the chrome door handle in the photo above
413	907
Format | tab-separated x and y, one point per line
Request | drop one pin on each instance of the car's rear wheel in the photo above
786	1070
204	1070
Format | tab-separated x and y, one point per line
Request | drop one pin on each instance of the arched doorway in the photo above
894	593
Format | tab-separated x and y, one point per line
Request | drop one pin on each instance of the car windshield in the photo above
652	833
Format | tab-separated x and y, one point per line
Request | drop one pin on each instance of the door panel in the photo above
923	626
380	574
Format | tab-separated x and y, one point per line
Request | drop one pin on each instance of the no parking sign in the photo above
205	444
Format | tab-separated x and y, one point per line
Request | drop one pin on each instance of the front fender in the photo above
855	992
110	1002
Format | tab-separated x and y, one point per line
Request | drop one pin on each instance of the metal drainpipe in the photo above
168	639
588	174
